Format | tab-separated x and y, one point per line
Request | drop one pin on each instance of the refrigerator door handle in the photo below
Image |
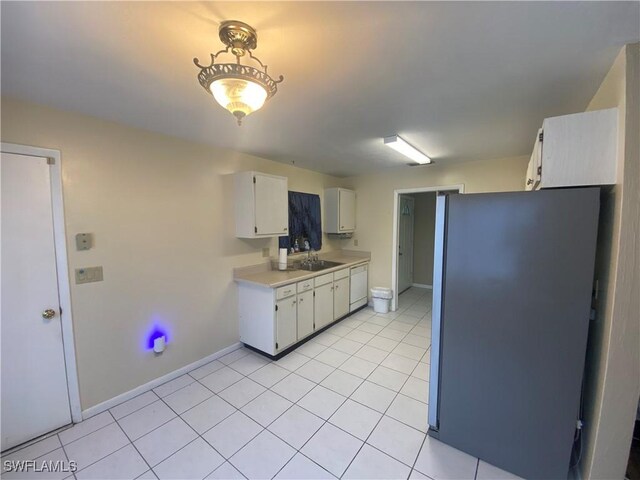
436	315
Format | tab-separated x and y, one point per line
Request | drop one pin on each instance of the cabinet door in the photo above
347	210
271	205
340	298
305	314
534	169
286	325
323	305
530	176
580	149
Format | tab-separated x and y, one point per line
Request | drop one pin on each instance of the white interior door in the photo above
35	398
406	217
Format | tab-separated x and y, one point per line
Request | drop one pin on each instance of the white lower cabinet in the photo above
305	314
323	305
274	319
286	323
340	298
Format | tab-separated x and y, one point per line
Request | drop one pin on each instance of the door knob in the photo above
48	314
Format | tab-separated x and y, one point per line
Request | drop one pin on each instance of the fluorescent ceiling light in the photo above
399	145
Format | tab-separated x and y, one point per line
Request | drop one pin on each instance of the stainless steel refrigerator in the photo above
512	289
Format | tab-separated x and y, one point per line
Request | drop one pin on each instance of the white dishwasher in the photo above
358	289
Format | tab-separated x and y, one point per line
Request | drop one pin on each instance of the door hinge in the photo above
255	229
541	136
314	294
276	345
60	308
539	170
314	326
254	179
51	161
276	308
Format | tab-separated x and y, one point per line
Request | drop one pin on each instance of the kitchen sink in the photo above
318	265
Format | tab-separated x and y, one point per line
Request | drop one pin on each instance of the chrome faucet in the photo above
311	258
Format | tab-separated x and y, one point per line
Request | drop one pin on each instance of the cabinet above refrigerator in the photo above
575	150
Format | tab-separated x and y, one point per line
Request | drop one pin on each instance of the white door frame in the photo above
62	268
411	201
394	247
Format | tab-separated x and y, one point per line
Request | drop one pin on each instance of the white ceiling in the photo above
461	81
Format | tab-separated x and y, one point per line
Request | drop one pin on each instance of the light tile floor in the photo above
351	403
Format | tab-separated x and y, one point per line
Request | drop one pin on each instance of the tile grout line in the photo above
343	402
102	458
289	372
327	420
413	467
373	429
291	406
110	453
349	398
134	411
34	441
132	444
64	452
83	436
324	421
194	430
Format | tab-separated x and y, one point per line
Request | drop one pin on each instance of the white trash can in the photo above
381	299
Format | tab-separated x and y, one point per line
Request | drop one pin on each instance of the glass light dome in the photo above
241	97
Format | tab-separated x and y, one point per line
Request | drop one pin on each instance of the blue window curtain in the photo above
305	222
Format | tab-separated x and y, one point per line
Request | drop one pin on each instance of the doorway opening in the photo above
413	239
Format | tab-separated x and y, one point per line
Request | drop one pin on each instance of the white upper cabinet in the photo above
339	210
575	150
261	205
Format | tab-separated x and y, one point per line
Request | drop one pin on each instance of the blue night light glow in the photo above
156	331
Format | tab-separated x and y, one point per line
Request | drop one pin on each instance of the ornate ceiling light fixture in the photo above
241	89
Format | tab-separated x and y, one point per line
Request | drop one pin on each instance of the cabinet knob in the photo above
337	286
284	229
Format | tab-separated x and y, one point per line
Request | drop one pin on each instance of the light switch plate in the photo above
88	275
83	241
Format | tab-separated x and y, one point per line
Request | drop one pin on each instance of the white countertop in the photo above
262	274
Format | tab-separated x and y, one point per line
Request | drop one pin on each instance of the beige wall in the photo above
161	213
423	237
613	357
375	200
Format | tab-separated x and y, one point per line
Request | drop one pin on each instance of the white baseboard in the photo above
123	397
422	285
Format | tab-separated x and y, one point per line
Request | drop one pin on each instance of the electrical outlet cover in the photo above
88	275
83	241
